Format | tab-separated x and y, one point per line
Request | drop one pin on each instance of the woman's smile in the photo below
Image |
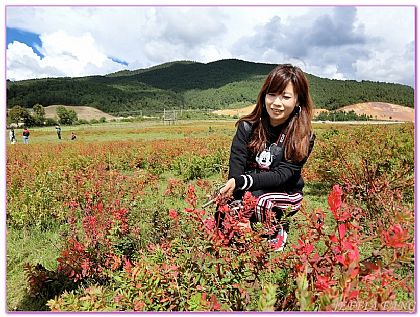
277	111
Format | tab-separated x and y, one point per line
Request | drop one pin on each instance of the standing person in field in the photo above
12	136
58	130
25	135
269	149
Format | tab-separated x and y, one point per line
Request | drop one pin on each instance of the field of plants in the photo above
114	222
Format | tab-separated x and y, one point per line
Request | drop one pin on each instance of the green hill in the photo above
187	84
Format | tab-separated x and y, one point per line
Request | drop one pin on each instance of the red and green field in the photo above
113	222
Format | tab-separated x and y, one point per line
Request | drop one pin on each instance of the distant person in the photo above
25	136
73	136
12	136
58	130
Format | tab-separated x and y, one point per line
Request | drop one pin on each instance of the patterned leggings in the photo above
281	204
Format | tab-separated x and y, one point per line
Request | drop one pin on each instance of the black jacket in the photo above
280	176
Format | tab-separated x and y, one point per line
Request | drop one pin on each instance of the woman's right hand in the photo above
228	189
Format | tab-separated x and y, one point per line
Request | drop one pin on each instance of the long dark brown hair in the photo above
296	144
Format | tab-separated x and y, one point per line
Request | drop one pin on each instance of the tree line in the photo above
36	116
342	116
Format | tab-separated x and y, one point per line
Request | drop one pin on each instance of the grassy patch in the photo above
28	246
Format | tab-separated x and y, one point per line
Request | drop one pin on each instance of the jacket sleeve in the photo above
239	152
273	178
276	177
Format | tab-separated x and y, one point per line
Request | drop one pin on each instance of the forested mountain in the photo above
185	84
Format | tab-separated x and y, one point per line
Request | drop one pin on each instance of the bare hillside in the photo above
382	111
232	112
378	111
85	113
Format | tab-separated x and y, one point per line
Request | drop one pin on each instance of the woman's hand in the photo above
229	187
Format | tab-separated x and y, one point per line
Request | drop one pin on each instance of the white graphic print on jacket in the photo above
264	159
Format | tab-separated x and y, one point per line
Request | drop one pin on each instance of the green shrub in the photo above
190	166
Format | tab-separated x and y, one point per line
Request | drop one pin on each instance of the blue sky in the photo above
341	42
29	38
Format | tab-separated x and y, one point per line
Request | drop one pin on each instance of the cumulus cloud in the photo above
142	37
336	29
328	43
65	55
184	34
23	63
180	27
383	64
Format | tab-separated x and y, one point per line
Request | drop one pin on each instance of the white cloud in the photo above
214	52
22	62
65	55
395	67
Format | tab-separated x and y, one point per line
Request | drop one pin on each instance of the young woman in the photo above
270	147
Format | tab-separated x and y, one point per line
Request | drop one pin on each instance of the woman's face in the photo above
280	105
